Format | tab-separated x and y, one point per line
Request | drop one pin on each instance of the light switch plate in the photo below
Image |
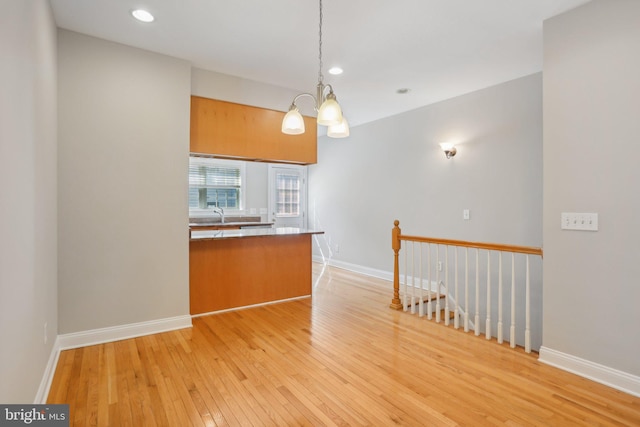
579	221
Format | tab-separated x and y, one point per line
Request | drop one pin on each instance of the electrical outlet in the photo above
45	332
337	248
439	265
466	214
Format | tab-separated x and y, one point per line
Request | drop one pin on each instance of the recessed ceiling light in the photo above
142	15
335	70
403	90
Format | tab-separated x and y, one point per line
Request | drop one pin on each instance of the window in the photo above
288	194
215	183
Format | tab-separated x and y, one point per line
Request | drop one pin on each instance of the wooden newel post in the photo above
395	245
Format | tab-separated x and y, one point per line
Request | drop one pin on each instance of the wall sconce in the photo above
449	149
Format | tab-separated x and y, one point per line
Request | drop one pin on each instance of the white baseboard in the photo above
122	332
100	336
367	271
47	377
614	378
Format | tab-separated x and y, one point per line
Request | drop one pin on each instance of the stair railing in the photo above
416	289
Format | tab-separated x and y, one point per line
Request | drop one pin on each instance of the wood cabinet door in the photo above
232	130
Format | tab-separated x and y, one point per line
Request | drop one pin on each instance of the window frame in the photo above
211	161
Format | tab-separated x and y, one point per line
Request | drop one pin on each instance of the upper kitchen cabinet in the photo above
233	130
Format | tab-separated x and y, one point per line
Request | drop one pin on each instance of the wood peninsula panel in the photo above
227	129
236	272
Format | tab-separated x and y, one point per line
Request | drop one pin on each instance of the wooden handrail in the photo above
397	237
479	245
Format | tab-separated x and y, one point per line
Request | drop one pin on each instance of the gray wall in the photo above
591	133
123	159
224	87
28	217
394	169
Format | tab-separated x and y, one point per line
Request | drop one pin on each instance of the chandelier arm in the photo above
327	86
295	100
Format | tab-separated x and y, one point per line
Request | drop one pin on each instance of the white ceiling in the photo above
437	48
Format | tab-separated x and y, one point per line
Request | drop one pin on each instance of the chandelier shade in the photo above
330	112
341	130
293	123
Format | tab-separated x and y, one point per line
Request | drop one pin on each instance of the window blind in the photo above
214	176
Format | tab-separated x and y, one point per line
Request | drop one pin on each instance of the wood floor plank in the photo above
79	417
103	388
340	358
223	407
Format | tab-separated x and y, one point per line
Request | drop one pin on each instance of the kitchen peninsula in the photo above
231	268
241	263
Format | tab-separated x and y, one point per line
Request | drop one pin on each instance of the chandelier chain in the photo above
327	107
320	76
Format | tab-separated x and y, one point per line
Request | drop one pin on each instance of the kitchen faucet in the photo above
220	212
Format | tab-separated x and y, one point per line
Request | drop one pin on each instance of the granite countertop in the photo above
250	232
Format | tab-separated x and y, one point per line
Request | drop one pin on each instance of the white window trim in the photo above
204	213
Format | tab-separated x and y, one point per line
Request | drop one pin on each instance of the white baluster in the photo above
527	330
500	332
405	295
421	309
512	335
429	307
438	284
487	326
413	278
456	314
476	326
446	285
466	289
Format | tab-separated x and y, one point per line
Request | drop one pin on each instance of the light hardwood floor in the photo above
340	358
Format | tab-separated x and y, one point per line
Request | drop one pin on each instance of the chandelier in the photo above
329	111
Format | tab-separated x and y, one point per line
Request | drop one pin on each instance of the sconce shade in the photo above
341	130
449	149
293	123
330	112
